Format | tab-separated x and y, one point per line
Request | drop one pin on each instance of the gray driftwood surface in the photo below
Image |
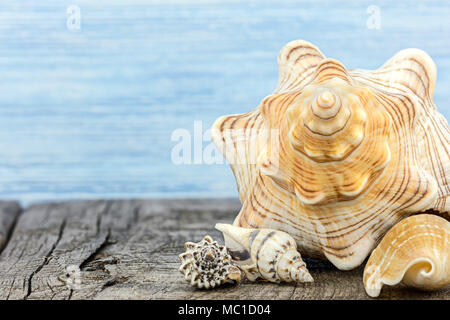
128	249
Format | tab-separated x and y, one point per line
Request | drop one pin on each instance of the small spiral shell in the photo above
207	265
415	251
265	253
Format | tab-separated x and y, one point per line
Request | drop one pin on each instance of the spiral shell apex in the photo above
335	157
264	253
208	265
415	251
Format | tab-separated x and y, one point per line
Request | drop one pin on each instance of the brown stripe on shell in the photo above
338	228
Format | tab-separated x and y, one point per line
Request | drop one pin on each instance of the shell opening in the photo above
419	272
415	252
236	241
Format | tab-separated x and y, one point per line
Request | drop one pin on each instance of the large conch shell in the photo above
265	254
415	251
335	157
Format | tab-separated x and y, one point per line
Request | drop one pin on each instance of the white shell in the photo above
264	253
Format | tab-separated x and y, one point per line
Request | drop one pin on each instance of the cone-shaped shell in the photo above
335	157
415	251
264	253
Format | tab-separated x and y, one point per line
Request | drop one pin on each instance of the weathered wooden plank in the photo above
129	250
9	211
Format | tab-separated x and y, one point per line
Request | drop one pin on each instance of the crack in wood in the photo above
129	249
96	251
10	288
9	216
46	259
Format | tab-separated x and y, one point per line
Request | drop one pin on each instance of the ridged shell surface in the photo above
265	254
335	157
207	265
415	251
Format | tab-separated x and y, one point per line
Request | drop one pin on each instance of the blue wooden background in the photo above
89	113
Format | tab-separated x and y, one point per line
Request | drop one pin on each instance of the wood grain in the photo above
9	212
129	249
